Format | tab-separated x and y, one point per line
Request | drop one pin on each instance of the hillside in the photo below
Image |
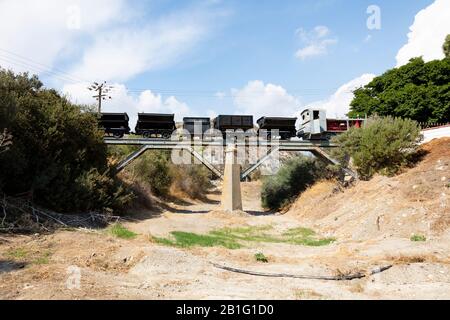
414	202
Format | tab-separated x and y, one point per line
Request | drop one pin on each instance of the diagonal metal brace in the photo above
205	162
131	158
258	164
318	152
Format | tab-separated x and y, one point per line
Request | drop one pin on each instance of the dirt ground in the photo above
372	223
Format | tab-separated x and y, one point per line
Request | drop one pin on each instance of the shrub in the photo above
57	154
193	180
383	146
153	169
296	175
260	257
418	238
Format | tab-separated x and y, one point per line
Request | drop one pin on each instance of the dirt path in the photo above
47	266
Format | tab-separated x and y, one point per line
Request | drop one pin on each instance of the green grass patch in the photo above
35	257
260	257
120	231
418	238
18	253
43	259
235	238
188	239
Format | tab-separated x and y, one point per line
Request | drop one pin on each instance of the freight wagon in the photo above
115	124
155	125
285	127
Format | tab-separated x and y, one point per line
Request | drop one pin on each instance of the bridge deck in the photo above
169	144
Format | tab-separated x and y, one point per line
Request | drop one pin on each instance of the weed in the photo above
418	238
260	257
120	231
18	253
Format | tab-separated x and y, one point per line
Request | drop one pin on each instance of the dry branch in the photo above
357	275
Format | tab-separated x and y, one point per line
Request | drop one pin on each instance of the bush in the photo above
383	146
193	180
153	169
294	177
57	153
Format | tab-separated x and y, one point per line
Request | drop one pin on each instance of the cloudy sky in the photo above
203	58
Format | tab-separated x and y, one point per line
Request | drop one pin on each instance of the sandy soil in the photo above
42	266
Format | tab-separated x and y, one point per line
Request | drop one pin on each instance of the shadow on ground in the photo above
10	265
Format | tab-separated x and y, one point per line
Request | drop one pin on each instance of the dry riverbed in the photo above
142	266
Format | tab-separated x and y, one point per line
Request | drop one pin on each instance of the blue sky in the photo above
257	41
210	57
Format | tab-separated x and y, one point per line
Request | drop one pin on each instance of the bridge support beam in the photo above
131	158
249	170
231	189
318	152
205	162
194	153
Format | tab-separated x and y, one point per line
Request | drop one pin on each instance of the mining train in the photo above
314	125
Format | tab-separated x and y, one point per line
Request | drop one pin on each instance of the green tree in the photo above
57	151
383	145
419	91
446	46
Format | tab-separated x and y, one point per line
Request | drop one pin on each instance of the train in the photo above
314	125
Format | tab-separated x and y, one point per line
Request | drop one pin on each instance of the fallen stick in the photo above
357	275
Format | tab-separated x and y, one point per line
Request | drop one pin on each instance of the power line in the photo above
40	67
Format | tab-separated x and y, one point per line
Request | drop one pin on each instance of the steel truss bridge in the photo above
317	148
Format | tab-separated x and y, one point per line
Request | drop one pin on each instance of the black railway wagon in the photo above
285	126
155	124
115	124
233	122
190	123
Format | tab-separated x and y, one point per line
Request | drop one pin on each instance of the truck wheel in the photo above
166	135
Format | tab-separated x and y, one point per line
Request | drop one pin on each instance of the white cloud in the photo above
338	105
113	41
123	101
259	99
427	34
125	52
41	30
316	42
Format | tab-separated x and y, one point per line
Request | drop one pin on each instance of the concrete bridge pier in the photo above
231	189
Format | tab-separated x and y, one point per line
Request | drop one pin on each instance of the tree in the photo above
417	90
57	153
446	46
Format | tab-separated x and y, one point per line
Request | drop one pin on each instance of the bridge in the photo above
316	147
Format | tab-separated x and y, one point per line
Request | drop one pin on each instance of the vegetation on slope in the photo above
295	176
57	156
383	145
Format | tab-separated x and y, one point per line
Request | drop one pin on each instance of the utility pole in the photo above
102	93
